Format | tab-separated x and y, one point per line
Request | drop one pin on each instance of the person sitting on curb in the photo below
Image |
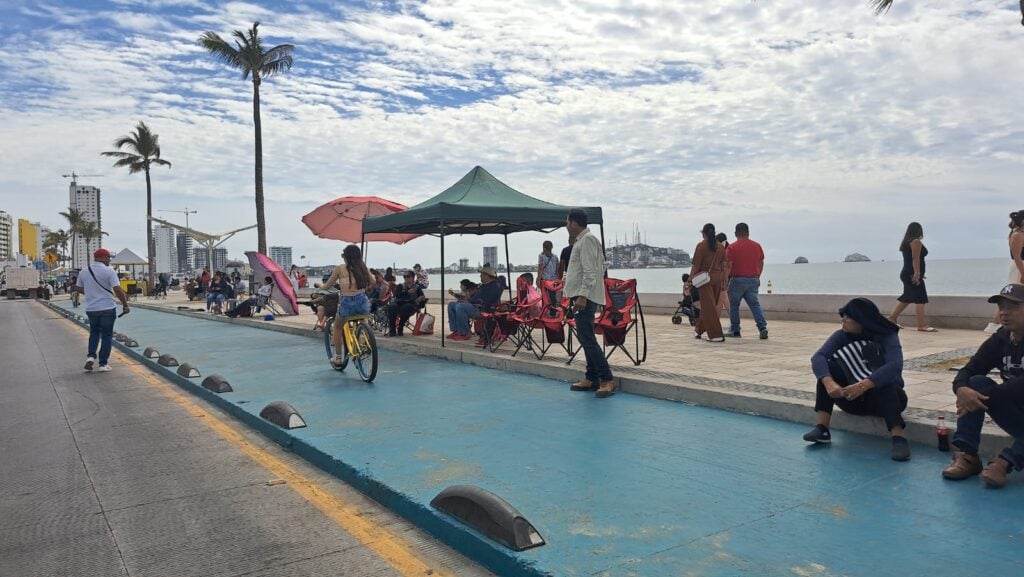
860	368
977	394
408	298
486	296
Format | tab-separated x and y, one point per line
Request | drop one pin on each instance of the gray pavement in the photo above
105	474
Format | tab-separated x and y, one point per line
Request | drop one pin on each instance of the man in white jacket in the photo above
584	285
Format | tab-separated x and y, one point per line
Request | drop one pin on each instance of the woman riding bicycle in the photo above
353	278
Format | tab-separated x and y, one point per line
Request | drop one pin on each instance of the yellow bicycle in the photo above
359	344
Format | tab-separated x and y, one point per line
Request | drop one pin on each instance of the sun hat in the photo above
489	271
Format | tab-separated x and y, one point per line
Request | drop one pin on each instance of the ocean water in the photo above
950	277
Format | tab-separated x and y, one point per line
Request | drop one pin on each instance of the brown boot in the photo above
583	385
994	474
606	389
964	465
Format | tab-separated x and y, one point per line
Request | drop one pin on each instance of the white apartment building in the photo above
86	200
6	236
165	256
282	255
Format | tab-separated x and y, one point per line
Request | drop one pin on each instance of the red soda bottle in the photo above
943	434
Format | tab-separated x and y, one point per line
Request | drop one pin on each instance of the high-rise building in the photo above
463	264
6	236
165	257
220	258
282	255
86	200
184	246
491	256
30	239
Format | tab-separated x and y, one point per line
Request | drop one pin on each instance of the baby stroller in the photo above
687	306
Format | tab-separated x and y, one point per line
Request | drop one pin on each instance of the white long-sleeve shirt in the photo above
585	275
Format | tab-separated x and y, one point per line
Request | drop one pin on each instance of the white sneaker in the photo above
992	328
104	369
89	362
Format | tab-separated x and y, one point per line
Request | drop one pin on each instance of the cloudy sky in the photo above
825	127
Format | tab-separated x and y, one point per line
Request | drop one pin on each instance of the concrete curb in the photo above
469	543
920	423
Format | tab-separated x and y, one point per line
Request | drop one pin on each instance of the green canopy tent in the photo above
481	204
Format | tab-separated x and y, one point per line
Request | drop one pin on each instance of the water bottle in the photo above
942	432
769	287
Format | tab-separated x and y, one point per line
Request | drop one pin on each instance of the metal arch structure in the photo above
209	241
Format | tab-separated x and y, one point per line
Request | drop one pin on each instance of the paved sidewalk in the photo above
771	377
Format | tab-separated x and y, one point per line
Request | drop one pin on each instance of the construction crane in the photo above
74	177
186	212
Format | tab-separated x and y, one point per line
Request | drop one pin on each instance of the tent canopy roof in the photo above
479	203
127	257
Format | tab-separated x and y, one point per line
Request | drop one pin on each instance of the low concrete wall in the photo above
943	311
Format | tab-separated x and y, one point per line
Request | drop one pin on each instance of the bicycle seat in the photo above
356	318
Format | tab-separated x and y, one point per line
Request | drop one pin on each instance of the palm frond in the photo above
160	161
880	6
277	60
117	154
223	51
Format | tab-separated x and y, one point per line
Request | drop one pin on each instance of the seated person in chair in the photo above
408	298
467	287
486	297
263	294
215	294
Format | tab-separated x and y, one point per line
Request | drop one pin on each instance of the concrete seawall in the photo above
950	312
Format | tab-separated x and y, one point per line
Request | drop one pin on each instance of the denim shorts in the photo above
354	305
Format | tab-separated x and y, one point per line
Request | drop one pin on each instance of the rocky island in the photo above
857	257
801	260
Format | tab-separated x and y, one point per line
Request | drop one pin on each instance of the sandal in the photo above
929	330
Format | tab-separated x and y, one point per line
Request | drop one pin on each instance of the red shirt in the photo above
746	258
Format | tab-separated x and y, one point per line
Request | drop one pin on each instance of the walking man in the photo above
976	394
584	285
99	284
746	261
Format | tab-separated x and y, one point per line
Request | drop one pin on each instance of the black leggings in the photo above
888	403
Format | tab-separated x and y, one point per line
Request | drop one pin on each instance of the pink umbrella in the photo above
342	219
283	294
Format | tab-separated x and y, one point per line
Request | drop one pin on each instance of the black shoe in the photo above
900	449
819	434
735	335
763	335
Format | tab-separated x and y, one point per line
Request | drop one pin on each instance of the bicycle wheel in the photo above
328	329
366	361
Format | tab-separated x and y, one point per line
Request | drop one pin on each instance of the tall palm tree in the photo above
75	222
248	55
56	242
143	152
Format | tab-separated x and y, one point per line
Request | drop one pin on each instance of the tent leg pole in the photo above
442	285
508	268
604	253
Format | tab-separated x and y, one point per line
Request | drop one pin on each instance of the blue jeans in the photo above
597	366
1006	406
459	314
210	297
745	288
101	326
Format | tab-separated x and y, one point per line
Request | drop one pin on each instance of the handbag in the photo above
702	278
424	324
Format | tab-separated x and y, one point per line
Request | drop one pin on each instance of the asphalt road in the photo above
121	473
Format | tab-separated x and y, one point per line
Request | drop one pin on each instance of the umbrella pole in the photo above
442	285
508	269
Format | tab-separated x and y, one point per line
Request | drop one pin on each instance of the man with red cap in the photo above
977	394
99	284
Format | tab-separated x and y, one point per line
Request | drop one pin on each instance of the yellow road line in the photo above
396	551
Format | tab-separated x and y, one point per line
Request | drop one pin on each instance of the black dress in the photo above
912	293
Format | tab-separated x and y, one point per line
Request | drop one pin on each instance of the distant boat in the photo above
856	257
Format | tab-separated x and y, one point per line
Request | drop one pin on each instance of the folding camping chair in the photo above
622	314
507	322
267	302
550	324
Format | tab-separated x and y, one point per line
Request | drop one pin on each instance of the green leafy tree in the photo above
248	55
75	222
143	152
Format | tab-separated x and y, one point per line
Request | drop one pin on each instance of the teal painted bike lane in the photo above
621	486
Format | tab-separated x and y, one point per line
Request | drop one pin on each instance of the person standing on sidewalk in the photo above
584	285
976	394
709	257
746	261
99	284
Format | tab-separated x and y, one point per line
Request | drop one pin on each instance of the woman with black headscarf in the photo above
860	368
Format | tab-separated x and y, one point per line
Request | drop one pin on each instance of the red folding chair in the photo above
622	314
506	324
550	324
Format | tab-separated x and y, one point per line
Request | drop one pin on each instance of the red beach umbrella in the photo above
342	219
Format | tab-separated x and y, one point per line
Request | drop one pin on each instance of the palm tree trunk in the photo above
261	223
151	256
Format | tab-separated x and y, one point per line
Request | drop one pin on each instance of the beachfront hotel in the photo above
86	200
